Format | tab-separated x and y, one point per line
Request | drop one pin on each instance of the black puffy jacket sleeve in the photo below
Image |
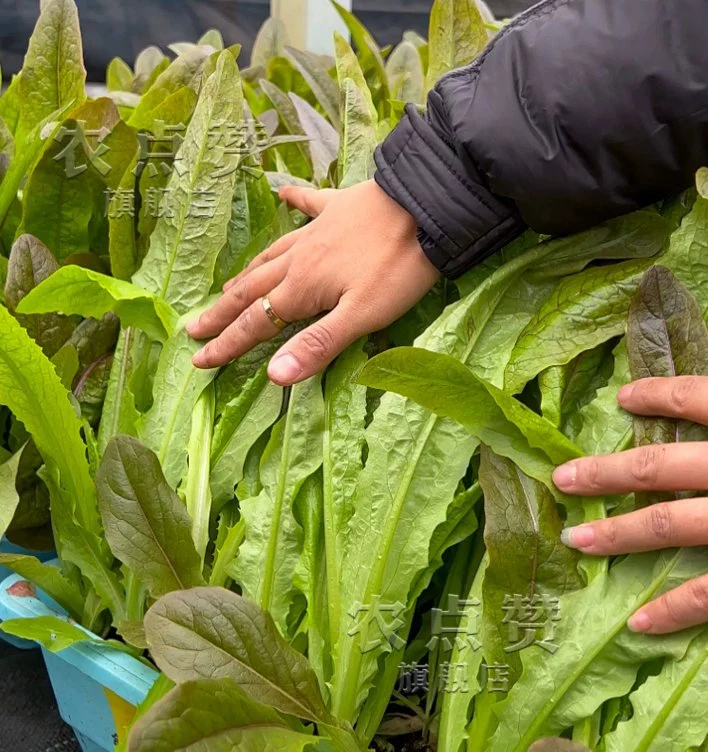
578	111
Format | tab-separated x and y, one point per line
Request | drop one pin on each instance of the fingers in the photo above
666	525
657	467
277	249
310	351
250	328
309	201
253	325
234	302
676	397
682	607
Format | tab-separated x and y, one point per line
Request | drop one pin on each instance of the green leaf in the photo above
7	148
121	242
9	498
244	419
25	374
702	182
348	67
250	227
345	416
119	75
186	70
311	579
10	104
52	81
212	38
58	198
75	290
666	337
120	415
184	248
147	525
270	42
604	427
583	378
406	77
197	491
455	706
448	388
597	656
268	557
216	715
32	263
686	257
231	637
640	235
583	311
457	36
359	138
51	632
323	86
664	718
49	579
53	74
167	425
369	54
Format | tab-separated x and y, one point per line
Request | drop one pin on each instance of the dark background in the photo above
124	27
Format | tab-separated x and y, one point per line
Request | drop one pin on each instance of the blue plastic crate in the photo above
8	548
97	688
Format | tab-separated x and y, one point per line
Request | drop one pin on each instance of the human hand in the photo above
656	467
359	260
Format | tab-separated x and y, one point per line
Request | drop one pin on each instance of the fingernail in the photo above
565	475
625	392
284	369
199	359
580	536
192	326
639	622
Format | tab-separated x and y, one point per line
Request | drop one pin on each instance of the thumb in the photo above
309	201
312	349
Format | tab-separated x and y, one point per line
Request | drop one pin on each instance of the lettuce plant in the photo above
330	565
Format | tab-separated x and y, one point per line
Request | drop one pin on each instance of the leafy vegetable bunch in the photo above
371	557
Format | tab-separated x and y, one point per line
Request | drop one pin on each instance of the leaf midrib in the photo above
588	657
305	711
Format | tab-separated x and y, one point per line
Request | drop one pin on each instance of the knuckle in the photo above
318	341
246	322
646	464
683	393
321	247
672	606
697	592
609	531
660	521
240	291
591	474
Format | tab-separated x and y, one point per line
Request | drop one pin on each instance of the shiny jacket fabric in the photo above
578	111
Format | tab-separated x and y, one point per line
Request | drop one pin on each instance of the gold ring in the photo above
272	315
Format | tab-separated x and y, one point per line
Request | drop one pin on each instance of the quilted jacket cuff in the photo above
460	223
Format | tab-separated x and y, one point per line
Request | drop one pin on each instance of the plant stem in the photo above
134	599
587	731
198	491
226	554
